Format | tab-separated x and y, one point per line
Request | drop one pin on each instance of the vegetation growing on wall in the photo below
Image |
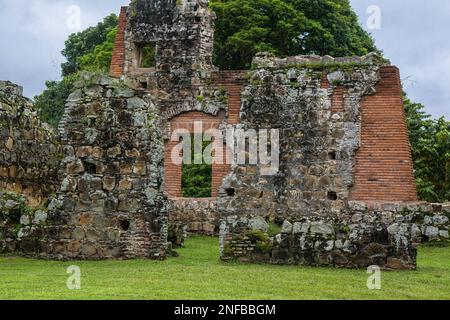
148	56
50	103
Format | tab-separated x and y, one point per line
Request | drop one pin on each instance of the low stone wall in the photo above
199	215
365	234
18	222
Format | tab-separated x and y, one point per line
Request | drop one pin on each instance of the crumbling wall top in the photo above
270	61
146	16
9	88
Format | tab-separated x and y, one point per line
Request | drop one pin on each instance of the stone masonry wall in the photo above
29	149
114	192
316	103
317	146
17	219
110	203
200	216
380	234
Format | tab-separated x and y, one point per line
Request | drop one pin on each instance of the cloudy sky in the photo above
414	35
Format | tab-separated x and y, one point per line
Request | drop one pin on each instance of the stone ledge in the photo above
268	60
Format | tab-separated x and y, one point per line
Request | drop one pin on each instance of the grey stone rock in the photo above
432	232
94	91
40	217
136	103
336	76
258	223
123	92
55	204
440	219
357	218
12	205
25	220
444	234
75	96
329	246
321	228
427	220
88	250
393	228
416	233
297	228
286	227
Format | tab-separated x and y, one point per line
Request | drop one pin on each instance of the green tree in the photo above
196	179
99	59
430	144
285	27
50	103
89	50
85	43
337	30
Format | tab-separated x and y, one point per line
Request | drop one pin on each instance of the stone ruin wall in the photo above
382	234
331	153
30	154
185	85
110	203
344	195
29	150
346	96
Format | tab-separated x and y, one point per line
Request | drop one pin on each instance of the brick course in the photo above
384	168
118	57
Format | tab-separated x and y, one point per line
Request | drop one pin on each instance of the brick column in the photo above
384	168
118	56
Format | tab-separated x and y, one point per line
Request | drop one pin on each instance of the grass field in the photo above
198	274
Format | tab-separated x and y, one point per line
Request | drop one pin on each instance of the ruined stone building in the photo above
104	185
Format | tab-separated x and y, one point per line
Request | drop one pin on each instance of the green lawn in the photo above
198	274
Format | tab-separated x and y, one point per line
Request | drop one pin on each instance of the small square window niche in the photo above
147	55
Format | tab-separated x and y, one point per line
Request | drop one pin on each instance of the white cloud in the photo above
413	34
33	35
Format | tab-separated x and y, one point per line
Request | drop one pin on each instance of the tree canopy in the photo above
89	50
430	144
285	27
50	103
85	43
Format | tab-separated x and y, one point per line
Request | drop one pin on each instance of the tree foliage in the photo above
85	43
89	50
50	103
99	59
196	179
430	143
285	27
